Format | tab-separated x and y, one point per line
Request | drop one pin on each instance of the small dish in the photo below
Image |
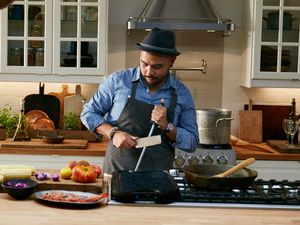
55	139
19	188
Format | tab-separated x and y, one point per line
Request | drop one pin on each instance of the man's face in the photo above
155	67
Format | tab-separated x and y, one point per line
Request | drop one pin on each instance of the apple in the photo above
83	163
97	169
84	174
65	172
71	164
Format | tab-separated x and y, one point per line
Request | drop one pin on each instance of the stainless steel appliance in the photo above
268	194
206	154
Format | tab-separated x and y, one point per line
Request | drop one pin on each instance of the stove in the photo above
261	194
268	194
206	154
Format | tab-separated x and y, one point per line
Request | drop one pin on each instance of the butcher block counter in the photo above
14	212
262	151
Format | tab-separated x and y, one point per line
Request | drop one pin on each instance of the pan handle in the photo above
42	88
222	119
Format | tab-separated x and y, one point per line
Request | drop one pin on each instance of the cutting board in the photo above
273	116
67	184
250	125
74	103
61	96
37	143
47	103
281	146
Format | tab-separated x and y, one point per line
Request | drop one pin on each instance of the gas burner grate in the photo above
261	192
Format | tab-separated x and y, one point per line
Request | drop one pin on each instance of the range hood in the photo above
199	15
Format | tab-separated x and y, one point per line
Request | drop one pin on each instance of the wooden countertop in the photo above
99	148
266	153
14	212
93	149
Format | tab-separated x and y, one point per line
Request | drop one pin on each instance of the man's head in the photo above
158	54
160	42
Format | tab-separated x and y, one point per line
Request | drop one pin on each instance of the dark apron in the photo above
135	119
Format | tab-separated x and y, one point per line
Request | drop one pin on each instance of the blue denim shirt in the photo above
109	100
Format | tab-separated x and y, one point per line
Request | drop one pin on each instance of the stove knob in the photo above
193	160
207	159
222	160
179	161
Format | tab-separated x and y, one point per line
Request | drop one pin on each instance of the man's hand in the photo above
159	115
124	140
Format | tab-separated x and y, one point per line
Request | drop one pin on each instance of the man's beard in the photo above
158	81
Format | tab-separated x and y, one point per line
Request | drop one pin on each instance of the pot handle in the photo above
222	119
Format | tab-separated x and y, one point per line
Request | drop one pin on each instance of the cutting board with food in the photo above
38	143
54	179
73	103
250	124
61	96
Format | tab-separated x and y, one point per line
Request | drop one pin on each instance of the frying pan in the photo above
202	176
150	185
47	103
5	3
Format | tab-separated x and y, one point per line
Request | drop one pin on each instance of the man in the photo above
133	99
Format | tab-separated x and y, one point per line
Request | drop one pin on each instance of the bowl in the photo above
53	139
19	188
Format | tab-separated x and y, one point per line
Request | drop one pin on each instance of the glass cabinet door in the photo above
79	44
278	42
25	42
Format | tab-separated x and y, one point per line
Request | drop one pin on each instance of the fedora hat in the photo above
160	42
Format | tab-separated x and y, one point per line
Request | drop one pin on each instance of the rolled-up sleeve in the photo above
187	136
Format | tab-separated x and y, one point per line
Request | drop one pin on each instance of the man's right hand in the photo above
124	140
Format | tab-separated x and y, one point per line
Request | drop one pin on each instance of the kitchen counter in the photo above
14	212
266	153
98	149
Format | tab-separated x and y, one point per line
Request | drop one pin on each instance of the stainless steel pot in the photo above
214	125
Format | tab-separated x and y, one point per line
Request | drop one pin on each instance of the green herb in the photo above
8	120
71	121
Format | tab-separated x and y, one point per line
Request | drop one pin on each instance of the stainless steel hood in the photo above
199	15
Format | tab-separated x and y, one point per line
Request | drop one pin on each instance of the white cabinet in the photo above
272	45
47	161
54	41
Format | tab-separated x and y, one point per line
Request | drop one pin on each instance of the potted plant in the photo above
8	120
74	129
71	121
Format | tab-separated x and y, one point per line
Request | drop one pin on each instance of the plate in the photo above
33	116
43	124
39	197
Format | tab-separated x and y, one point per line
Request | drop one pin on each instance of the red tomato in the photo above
98	170
84	174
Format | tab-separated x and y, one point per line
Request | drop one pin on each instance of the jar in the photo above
30	57
17	56
39	57
36	31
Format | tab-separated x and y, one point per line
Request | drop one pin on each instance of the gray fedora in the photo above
159	41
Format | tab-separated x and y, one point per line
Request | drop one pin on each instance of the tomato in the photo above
98	170
84	174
